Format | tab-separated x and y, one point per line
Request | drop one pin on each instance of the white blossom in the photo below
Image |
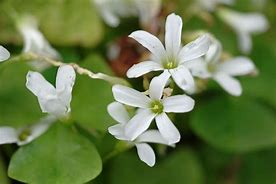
244	24
55	101
4	54
223	72
172	59
153	107
145	152
35	42
210	5
25	135
112	10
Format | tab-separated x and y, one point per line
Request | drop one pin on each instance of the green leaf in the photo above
18	105
60	156
67	22
179	167
235	124
258	168
264	85
91	97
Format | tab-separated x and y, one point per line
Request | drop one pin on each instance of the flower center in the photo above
170	62
211	68
156	107
24	135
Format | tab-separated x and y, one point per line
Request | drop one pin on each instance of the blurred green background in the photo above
225	140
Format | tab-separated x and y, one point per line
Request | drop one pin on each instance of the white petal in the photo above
183	78
118	131
139	123
237	66
195	49
173	33
118	112
38	129
53	106
142	68
64	83
152	136
146	153
167	128
198	68
158	84
214	52
130	96
245	42
8	135
4	54
151	42
228	83
37	84
178	103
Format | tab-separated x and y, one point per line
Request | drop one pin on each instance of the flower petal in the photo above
167	128
183	78
198	68
158	84
245	42
118	112
237	66
173	33
38	129
146	153
64	83
151	42
142	68
37	84
178	104
4	54
152	136
139	123
53	106
195	49
8	135
228	83
118	131
129	96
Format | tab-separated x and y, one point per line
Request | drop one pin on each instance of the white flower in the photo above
244	24
55	101
35	42
174	57
112	10
4	54
210	5
25	135
211	66
144	150
153	107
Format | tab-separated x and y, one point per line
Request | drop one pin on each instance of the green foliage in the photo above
236	125
18	105
259	167
67	22
180	167
3	174
91	97
60	156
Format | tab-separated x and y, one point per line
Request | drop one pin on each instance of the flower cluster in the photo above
179	64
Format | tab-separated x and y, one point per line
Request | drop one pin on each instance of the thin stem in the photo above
120	147
80	70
